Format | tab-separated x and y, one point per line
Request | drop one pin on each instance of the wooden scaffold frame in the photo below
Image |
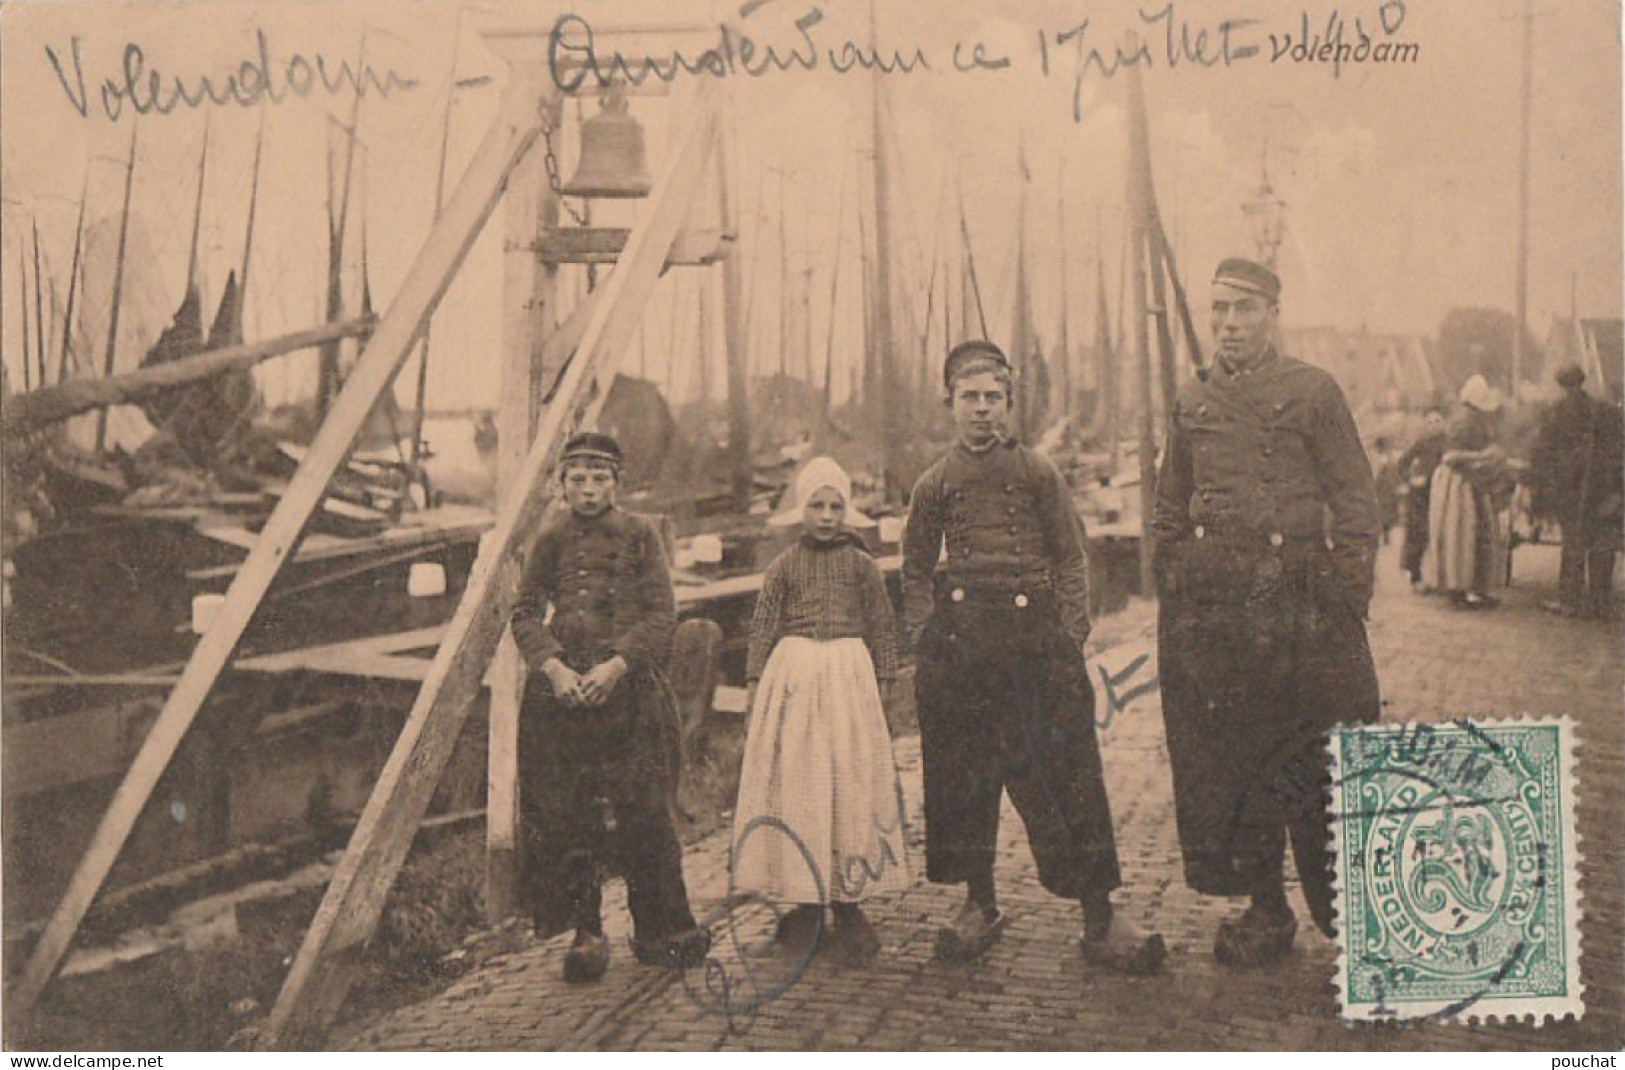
581	353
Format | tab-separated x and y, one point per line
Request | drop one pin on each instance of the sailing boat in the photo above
206	419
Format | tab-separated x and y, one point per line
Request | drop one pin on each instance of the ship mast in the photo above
892	426
73	281
328	378
1523	201
741	478
118	283
39	306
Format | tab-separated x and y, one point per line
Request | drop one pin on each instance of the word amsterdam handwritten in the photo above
255	78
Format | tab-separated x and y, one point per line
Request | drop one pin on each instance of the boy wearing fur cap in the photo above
1002	690
597	726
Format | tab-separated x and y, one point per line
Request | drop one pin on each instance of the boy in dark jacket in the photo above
1003	694
596	726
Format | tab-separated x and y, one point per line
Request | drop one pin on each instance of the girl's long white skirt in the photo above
820	814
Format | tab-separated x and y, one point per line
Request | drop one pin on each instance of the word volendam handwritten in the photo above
255	79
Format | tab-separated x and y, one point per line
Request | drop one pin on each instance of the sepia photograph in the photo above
812	525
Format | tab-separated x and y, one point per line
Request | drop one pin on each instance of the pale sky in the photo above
1401	178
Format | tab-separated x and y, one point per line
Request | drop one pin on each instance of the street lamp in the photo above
1266	218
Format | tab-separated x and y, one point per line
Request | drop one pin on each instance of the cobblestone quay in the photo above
1033	991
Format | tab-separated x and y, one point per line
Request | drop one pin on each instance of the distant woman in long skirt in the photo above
1467	551
820	817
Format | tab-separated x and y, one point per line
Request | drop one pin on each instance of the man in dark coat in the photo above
1261	633
1575	484
999	622
597	727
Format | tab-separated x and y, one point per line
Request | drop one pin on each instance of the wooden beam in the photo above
529	316
338	653
507	674
29	412
345	920
516	128
603	245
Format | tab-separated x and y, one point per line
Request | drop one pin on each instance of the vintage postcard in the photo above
812	525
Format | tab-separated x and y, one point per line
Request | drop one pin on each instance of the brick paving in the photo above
1033	991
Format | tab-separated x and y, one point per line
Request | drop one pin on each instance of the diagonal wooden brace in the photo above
513	133
345	921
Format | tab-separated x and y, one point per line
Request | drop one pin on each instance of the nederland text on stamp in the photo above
1457	870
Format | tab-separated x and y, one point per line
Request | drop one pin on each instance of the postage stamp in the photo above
1457	870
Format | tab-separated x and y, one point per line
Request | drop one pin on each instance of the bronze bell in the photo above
613	162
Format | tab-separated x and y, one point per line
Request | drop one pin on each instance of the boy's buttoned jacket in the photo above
611	592
1012	538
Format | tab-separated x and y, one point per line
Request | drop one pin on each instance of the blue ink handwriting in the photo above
1118	702
737	997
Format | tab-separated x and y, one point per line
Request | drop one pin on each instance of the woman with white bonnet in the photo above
1467	550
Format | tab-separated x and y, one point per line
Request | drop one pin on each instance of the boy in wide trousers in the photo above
999	623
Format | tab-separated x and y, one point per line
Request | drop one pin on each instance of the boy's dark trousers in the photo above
1005	702
579	767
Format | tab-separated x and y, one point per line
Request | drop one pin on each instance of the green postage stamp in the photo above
1457	867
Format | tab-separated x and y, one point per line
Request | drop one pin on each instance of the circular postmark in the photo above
1451	854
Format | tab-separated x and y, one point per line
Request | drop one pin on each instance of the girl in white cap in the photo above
819	819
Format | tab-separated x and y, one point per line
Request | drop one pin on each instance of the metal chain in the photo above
551	160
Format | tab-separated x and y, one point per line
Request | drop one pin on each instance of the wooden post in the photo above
696	666
345	920
1138	204
529	314
510	137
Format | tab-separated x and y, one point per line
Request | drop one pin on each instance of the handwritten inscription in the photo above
1157	36
573	56
735	993
256	78
1119	700
757	975
1333	42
